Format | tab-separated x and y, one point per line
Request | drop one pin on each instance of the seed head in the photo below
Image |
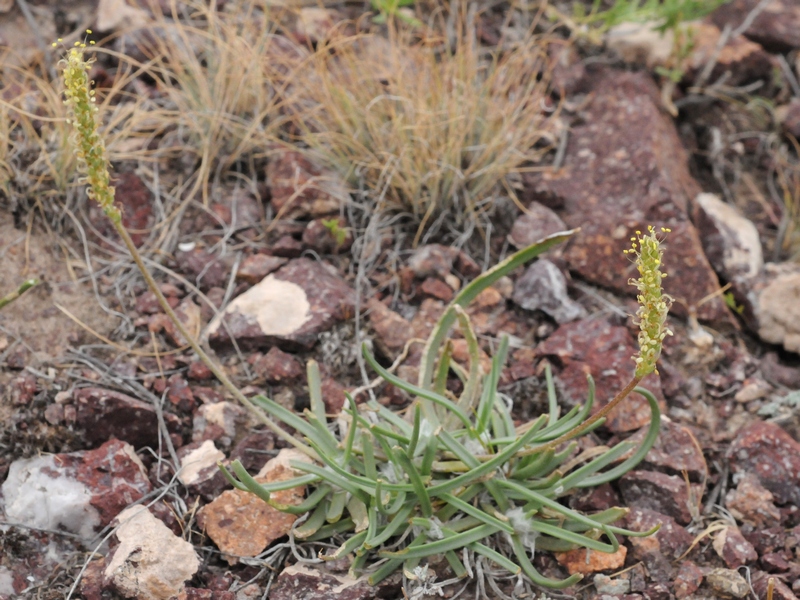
89	147
653	303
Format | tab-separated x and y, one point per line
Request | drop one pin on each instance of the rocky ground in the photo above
102	401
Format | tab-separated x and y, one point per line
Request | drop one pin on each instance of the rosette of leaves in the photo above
453	473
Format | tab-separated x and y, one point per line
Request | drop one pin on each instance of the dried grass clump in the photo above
430	128
216	72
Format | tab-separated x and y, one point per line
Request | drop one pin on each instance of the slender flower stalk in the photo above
93	161
651	317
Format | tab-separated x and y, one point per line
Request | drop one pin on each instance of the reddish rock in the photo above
586	561
198	371
751	503
290	307
206	269
22	389
179	394
392	331
301	189
437	289
328	236
432	260
257	266
740	60
147	304
113	473
624	169
594	499
277	366
603	350
671	541
135	201
732	548
250	450
776	27
659	492
536	223
333	395
675	450
768	452
426	317
241	524
105	414
769	539
789	117
80	492
309	583
760	583
778	373
688	579
188	313
287	247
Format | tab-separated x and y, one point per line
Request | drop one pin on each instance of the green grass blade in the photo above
315	520
453	542
471	291
417	391
638	456
524	562
414	477
496	558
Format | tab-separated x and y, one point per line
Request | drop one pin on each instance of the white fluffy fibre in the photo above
40	493
522	526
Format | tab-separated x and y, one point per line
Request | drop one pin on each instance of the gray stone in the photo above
544	287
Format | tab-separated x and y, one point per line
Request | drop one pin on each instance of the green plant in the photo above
11	296
456	473
389	9
665	14
338	233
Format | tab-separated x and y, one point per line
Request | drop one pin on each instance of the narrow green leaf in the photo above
315	520
471	291
638	456
336	506
453	542
416	481
417	391
525	563
496	557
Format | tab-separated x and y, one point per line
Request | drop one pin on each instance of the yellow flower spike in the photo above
653	303
89	147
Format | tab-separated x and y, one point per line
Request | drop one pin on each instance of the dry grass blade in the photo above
438	128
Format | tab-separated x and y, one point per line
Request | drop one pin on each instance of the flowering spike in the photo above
653	303
89	147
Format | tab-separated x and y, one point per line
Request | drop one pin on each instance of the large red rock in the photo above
768	452
625	169
776	27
